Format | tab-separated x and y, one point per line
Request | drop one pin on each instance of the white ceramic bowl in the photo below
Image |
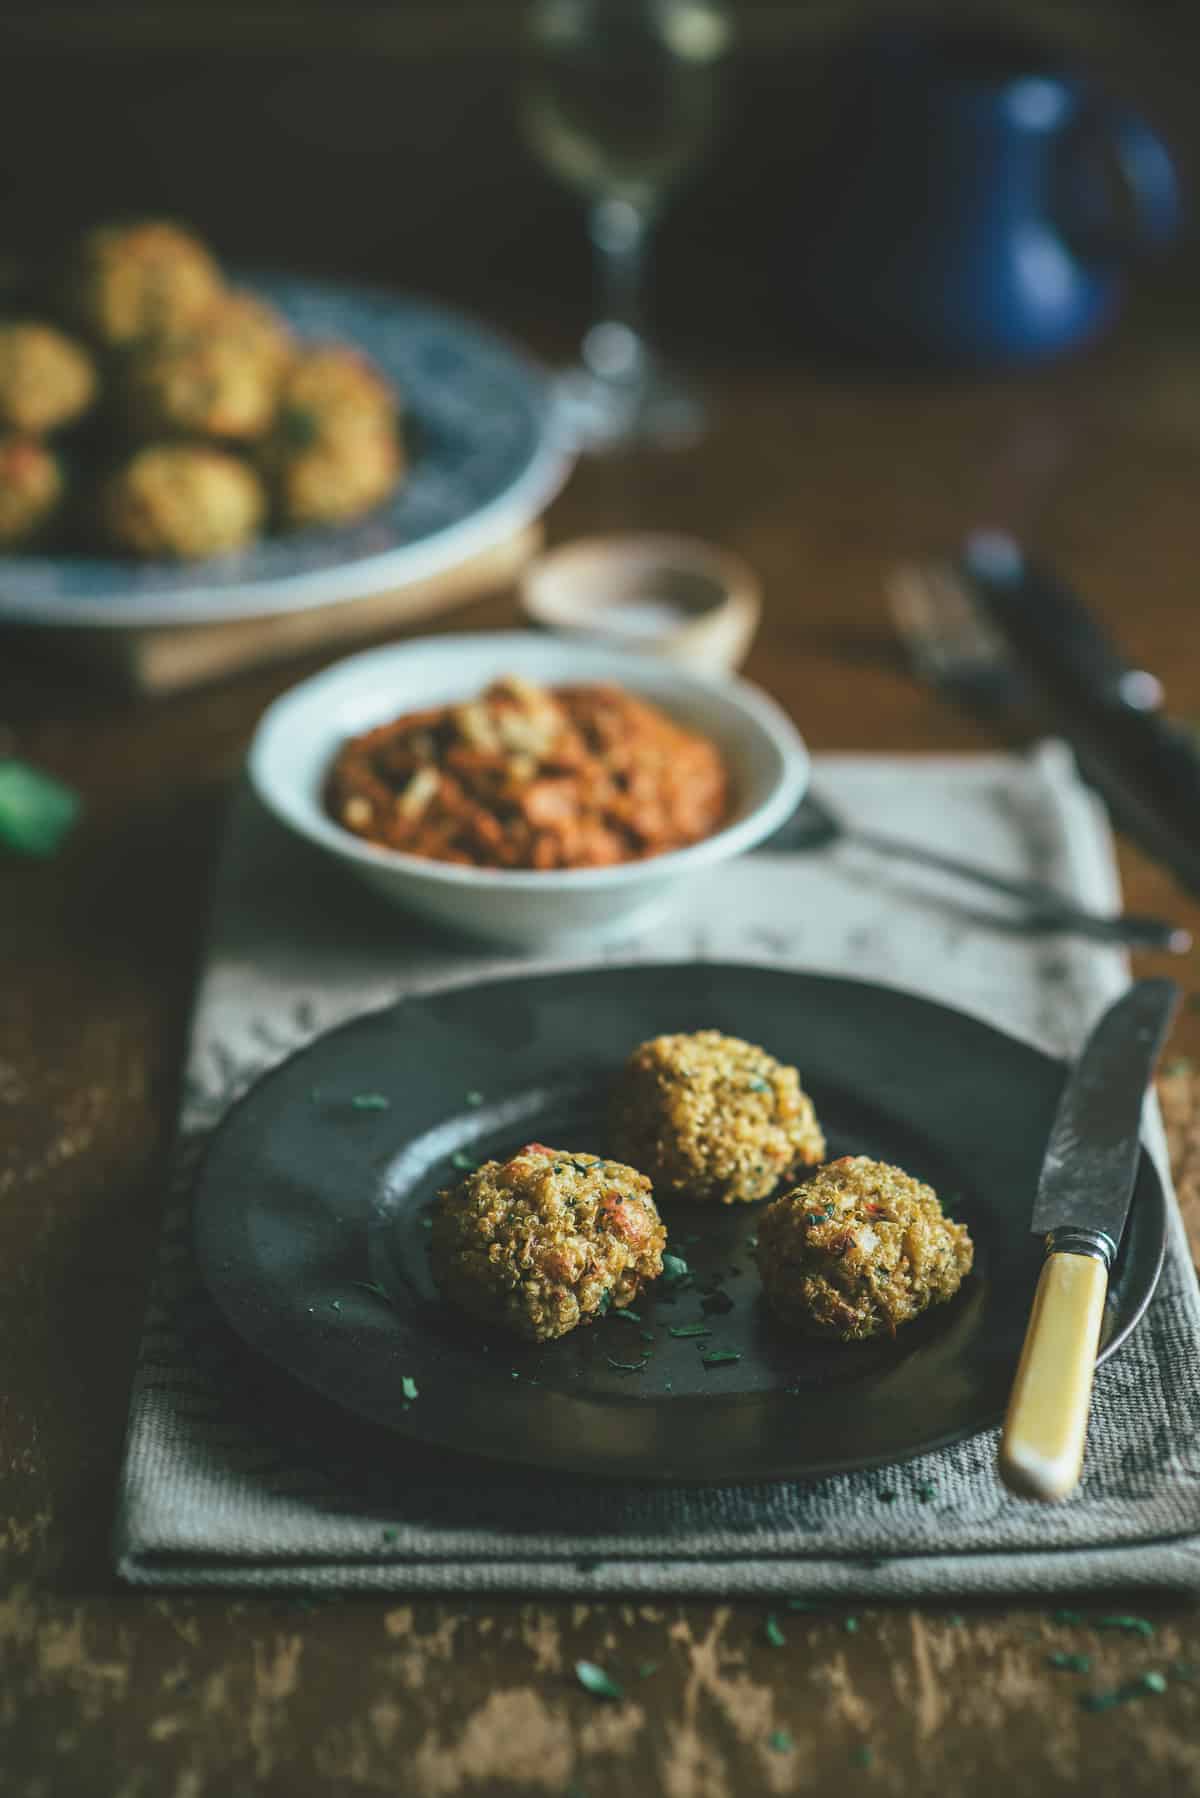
300	733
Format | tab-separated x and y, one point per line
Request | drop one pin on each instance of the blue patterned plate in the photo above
484	462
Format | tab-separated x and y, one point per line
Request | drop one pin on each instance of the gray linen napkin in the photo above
208	1499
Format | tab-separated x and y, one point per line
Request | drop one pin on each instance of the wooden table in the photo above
822	481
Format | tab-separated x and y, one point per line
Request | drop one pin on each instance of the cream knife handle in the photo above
1041	1450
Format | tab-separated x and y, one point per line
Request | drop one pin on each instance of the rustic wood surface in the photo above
822	480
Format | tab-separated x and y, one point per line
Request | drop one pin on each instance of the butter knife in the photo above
1082	1202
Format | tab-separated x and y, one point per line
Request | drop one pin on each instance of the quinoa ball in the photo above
182	500
46	378
146	279
859	1249
215	381
31	489
546	1240
243	316
335	449
714	1118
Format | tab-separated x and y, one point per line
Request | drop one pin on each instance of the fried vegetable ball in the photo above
215	381
859	1249
713	1118
46	378
546	1240
181	500
147	279
254	322
335	448
31	489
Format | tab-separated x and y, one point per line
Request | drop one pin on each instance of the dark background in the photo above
380	141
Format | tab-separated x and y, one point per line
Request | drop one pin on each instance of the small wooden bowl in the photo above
670	596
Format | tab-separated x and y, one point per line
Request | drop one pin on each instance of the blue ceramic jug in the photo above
977	204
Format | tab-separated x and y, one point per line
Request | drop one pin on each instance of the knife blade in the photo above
1082	1203
1147	767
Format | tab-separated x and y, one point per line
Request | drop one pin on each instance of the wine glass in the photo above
619	101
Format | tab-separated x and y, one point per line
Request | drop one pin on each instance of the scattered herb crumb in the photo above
1183	1669
1134	1688
719	1357
408	1386
633	1317
851	1626
427	1223
956	1619
595	1680
474	1098
335	1304
1066	1616
628	1366
772	1631
925	1494
805	1604
370	1102
1069	1663
887	1498
781	1741
458	1159
646	1668
689	1330
862	1756
675	1269
752	1242
377	1291
1133	1626
514	1375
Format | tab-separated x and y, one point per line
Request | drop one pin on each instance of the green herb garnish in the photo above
595	1680
689	1330
862	1757
371	1287
36	811
391	1533
370	1102
806	1604
634	1317
459	1159
719	1357
851	1626
646	1668
335	1304
675	1268
772	1631
925	1494
755	1085
408	1386
1069	1663
628	1366
1134	1688
1066	1616
780	1740
887	1498
1133	1626
474	1098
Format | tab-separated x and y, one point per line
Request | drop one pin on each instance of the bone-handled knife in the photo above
1082	1202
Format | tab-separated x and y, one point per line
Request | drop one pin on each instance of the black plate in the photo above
306	1199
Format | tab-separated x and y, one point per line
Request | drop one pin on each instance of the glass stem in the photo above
615	346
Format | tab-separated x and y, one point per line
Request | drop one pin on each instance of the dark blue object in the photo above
977	203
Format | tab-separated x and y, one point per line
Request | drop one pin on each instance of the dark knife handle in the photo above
1147	767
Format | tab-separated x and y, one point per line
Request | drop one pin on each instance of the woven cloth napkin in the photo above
215	1494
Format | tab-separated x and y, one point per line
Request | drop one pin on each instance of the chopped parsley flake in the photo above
1066	1616
887	1498
371	1287
781	1741
604	1301
805	1604
752	1242
925	1494
474	1098
464	1161
719	1357
675	1269
634	1317
755	1085
408	1386
862	1756
370	1102
390	1534
646	1668
335	1304
851	1626
1134	1626
1069	1663
689	1330
772	1631
595	1680
1134	1688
